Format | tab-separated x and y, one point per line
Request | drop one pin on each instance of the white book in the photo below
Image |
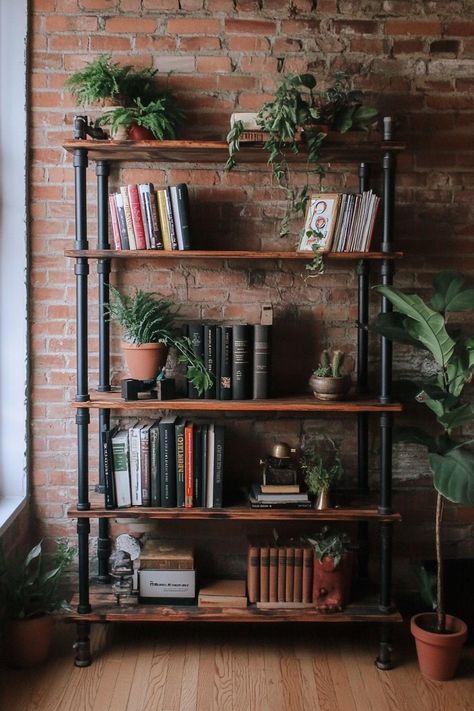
210	467
120	453
135	464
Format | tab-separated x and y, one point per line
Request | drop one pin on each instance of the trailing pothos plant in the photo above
426	326
298	107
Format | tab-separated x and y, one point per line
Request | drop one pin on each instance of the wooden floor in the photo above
241	668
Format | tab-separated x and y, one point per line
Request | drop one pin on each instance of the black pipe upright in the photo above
103	271
82	394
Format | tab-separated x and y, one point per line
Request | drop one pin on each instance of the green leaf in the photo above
307	80
415	435
454	475
423	324
392	326
35	552
448	293
456	418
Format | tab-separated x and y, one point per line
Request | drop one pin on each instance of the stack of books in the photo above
223	593
171	462
278	496
280	576
166	574
355	222
144	218
238	357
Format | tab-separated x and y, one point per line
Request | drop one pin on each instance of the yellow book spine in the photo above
163	213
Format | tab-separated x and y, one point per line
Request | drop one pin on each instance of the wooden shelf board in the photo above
299	403
104	610
347	147
223	254
239	513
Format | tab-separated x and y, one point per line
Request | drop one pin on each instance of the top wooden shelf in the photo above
337	147
223	254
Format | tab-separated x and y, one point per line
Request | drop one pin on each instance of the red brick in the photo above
213	64
191	44
422	28
362	27
247	43
250	27
184	26
464	28
410	46
133	25
108	43
98	4
68	23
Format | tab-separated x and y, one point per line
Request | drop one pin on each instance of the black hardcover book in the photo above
197	456
168	461
203	501
108	464
179	433
218	465
225	360
241	362
155	483
261	361
196	336
254	504
180	204
210	357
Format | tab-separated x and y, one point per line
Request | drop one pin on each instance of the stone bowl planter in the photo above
329	388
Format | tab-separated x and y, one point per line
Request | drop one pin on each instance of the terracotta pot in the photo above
332	586
28	642
438	654
328	388
140	133
145	361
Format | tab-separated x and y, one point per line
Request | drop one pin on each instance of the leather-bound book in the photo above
253	573
261	362
281	575
308	556
298	576
264	573
273	576
241	362
290	573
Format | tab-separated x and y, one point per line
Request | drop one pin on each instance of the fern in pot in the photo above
322	467
149	329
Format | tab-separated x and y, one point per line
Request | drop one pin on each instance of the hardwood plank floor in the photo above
226	668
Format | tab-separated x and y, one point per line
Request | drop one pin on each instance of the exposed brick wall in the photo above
415	60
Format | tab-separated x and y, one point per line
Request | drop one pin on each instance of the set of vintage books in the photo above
142	217
280	574
170	462
238	357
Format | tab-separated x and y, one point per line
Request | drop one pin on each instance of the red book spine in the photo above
188	465
114	222
137	219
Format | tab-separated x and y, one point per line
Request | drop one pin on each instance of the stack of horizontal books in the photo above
278	496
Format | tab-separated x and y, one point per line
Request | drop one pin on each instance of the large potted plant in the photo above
439	636
29	593
149	329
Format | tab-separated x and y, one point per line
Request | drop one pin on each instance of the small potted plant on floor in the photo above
328	382
321	470
149	329
332	576
439	637
29	593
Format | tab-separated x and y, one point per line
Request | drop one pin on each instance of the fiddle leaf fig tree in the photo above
427	326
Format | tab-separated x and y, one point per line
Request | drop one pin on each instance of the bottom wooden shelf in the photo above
104	610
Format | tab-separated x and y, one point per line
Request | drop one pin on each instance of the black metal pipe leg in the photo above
83	645
384	661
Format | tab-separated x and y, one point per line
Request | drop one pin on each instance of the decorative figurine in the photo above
279	467
121	568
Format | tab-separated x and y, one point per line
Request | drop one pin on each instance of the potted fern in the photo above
149	329
29	593
328	381
439	636
156	119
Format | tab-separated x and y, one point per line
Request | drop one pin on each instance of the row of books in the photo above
238	357
281	574
144	218
355	222
171	462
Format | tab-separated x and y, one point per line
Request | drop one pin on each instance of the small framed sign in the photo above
320	222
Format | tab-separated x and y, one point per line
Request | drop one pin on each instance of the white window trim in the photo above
13	259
